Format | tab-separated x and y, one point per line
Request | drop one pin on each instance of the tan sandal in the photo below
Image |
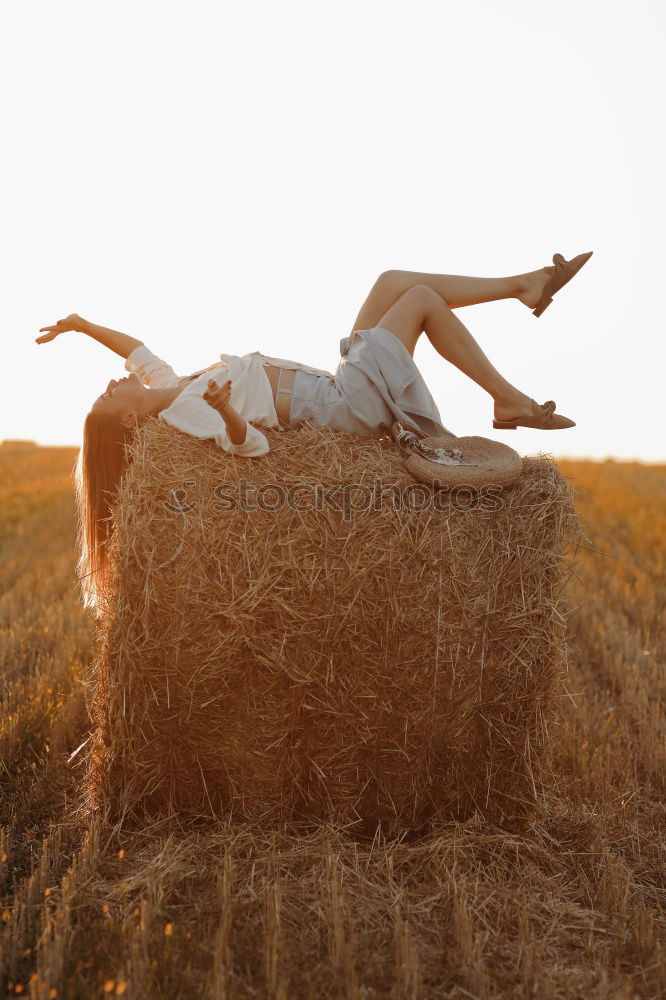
543	417
560	272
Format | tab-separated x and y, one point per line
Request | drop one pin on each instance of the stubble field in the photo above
572	907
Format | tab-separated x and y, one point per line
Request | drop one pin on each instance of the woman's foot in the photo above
518	406
531	287
518	410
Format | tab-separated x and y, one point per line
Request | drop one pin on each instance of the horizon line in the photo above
29	443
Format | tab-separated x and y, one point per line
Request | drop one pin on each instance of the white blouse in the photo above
251	396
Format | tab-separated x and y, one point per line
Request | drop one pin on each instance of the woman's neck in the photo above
159	399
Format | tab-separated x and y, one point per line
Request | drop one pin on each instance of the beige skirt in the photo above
376	382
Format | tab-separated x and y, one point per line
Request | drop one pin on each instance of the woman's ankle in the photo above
520	284
512	405
507	394
510	397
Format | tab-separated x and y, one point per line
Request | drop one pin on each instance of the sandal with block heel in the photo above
543	417
561	271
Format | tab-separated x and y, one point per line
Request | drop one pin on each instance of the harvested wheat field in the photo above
185	905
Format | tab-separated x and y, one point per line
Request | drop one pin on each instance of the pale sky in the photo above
214	177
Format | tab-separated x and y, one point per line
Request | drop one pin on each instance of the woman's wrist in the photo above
235	423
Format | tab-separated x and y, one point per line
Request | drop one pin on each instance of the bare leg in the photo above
422	309
457	290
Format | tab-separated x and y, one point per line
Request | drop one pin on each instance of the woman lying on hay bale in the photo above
375	384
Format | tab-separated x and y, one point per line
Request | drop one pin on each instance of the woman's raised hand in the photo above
71	322
218	396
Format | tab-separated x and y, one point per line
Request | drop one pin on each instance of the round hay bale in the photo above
315	635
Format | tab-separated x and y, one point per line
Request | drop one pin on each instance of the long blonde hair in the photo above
99	468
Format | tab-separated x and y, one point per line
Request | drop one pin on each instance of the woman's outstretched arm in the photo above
119	343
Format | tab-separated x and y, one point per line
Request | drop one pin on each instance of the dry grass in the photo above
572	907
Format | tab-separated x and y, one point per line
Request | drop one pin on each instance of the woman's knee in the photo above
395	285
423	295
390	282
403	281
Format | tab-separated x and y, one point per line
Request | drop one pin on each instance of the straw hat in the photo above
447	460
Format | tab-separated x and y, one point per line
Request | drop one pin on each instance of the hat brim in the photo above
495	463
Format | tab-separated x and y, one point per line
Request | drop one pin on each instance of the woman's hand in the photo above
71	322
218	396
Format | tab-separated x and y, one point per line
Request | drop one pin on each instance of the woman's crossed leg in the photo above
421	309
457	290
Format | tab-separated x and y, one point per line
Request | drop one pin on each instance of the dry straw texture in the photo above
385	665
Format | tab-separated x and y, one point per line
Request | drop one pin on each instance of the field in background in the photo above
571	908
